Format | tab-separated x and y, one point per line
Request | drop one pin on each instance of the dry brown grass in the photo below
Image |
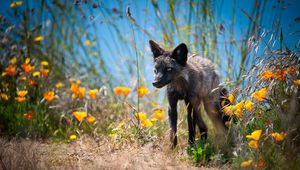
18	154
88	153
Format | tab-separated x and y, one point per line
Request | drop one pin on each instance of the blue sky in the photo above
116	53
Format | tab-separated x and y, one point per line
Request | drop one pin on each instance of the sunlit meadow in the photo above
78	74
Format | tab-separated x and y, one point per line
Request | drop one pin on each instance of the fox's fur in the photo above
192	79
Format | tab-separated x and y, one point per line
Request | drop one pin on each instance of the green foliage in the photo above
201	151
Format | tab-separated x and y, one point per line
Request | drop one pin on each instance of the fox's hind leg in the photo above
215	117
201	125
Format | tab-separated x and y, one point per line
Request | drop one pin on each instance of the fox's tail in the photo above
223	101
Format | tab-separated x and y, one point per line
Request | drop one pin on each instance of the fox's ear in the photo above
180	53
156	49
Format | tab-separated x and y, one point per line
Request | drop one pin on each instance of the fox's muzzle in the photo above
160	80
157	84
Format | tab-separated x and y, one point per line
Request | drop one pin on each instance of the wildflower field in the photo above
76	91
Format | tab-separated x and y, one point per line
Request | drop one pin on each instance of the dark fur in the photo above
192	79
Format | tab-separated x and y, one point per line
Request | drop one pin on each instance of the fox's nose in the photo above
155	83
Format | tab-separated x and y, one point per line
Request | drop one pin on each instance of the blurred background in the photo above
97	42
72	69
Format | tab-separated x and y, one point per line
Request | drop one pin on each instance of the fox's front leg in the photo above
173	119
191	123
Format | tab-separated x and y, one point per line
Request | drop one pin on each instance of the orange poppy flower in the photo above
49	96
159	114
45	72
268	74
260	95
93	94
28	115
90	119
22	93
79	115
27	68
81	92
20	99
10	70
142	91
32	82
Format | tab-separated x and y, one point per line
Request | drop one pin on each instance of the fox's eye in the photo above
169	68
155	71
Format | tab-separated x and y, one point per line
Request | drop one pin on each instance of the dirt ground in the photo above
88	153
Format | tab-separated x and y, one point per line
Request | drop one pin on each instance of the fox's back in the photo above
202	75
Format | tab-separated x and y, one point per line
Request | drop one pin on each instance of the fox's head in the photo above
167	64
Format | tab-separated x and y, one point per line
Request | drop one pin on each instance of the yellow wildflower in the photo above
154	119
239	113
159	114
4	96
16	3
118	90
278	136
74	88
126	91
228	110
249	105
141	116
235	109
90	119
142	91
79	115
73	137
38	38
255	135
59	85
231	98
253	144
147	123
23	78
260	95
22	93
36	74
28	115
49	96
93	94
88	43
27	60
44	63
81	92
268	74
122	90
240	105
20	99
228	124
297	82
74	96
246	163
13	60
